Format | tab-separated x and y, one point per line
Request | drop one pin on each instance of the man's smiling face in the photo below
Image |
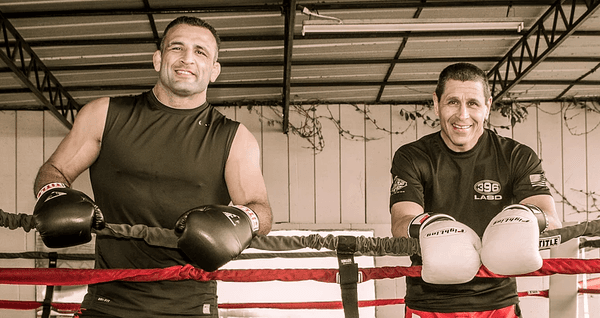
188	62
463	110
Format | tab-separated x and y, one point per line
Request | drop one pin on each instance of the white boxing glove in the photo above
510	243
450	252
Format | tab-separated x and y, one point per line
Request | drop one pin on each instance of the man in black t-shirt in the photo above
161	159
470	174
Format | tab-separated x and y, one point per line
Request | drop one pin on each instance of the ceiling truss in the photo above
34	75
534	47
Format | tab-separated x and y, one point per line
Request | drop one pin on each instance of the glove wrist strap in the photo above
48	187
539	214
422	220
253	217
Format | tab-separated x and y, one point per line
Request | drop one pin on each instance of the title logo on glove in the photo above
54	195
235	220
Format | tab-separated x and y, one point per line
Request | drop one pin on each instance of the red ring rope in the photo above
66	277
72	307
72	277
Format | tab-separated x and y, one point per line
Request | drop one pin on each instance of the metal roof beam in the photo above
175	10
407	4
289	9
152	25
30	70
278	38
277	84
536	44
397	55
578	81
271	7
225	64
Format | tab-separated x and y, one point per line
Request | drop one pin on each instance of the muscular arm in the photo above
402	213
546	203
78	150
244	178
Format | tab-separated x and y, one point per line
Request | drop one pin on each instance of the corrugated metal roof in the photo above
102	47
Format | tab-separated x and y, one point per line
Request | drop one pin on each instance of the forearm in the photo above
48	173
265	218
402	214
400	226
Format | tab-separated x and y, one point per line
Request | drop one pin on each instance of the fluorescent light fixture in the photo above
403	25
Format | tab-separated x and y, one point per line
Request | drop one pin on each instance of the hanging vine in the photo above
421	113
590	196
309	126
575	111
515	111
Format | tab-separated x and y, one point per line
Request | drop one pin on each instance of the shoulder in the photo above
424	146
218	117
244	147
96	106
93	112
91	118
243	136
509	145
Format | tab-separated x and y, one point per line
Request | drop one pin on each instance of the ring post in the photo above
563	288
348	275
47	304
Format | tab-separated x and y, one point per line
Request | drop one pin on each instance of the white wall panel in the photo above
352	165
550	150
574	164
327	168
301	172
377	165
527	131
593	168
276	165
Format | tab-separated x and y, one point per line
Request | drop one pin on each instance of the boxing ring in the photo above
347	275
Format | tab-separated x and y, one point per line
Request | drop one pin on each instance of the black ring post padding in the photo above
348	275
47	304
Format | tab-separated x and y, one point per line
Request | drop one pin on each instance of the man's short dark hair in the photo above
193	21
462	72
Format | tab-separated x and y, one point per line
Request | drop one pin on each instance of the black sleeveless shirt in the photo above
473	187
155	163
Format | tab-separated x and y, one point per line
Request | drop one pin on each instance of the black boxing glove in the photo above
65	217
213	235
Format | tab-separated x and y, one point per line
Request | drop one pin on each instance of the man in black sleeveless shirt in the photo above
151	158
468	173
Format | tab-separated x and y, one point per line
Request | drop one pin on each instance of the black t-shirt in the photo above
156	163
471	186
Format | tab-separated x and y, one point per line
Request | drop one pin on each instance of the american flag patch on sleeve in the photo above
537	180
